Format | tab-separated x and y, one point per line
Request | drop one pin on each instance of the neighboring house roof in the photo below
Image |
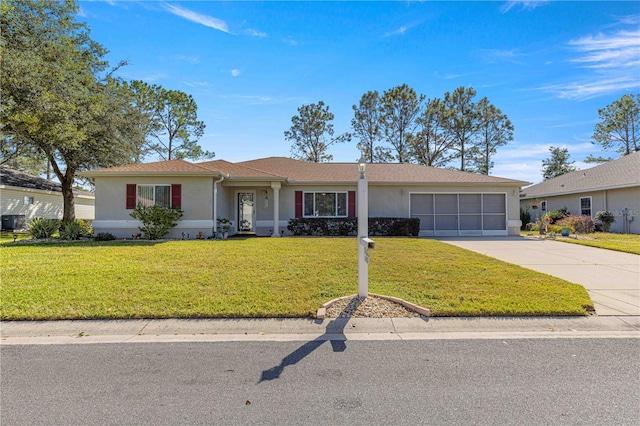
171	167
24	181
303	172
623	172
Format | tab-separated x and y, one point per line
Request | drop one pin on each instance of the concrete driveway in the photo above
611	278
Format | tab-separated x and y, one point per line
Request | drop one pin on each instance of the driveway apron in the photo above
611	278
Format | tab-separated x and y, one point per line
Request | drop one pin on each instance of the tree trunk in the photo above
66	181
69	214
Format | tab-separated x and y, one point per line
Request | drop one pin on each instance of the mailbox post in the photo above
364	243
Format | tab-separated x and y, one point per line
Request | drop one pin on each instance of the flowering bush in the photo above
581	224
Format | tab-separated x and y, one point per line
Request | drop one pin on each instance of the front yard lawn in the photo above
628	243
265	277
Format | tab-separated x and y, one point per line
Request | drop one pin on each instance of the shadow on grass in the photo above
334	333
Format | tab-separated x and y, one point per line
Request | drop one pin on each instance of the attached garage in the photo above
453	214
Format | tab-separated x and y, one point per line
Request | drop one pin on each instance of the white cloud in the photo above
493	56
591	88
190	59
610	62
290	41
619	50
235	72
196	83
450	76
400	31
526	4
255	33
207	21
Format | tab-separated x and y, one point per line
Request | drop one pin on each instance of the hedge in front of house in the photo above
325	226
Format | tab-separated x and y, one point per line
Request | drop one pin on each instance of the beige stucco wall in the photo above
384	200
197	195
613	200
113	216
46	204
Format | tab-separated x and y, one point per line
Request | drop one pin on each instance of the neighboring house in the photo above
261	196
24	197
612	186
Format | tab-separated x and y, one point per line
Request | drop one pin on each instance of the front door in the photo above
246	212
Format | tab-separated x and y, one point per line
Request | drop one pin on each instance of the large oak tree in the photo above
58	98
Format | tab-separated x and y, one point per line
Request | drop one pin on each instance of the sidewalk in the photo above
296	329
611	278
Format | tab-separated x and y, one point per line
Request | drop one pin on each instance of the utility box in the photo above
11	222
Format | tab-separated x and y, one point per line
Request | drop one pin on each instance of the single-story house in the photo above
612	186
261	196
24	197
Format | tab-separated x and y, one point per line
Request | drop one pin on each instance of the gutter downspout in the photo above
215	205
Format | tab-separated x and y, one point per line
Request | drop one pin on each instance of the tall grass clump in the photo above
42	228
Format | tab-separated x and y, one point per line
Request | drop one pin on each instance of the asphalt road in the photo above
457	382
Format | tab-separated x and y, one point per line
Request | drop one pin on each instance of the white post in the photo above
276	208
363	231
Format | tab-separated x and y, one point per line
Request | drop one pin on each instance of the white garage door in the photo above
460	214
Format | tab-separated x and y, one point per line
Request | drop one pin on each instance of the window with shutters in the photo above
154	195
325	204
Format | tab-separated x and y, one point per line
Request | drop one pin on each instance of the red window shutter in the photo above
131	196
176	195
298	203
352	204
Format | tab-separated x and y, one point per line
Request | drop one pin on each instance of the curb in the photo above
322	312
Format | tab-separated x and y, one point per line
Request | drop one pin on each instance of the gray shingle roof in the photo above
15	178
9	177
621	173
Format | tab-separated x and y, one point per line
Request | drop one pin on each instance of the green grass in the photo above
628	243
265	277
6	237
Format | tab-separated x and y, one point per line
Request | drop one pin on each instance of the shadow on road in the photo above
334	333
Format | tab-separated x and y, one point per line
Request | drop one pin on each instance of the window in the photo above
543	206
585	206
325	204
154	195
28	200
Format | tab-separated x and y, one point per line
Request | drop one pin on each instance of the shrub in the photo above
385	226
525	218
581	224
104	236
156	221
557	215
86	226
71	231
42	228
606	218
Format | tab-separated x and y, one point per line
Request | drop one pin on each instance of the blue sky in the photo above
548	65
